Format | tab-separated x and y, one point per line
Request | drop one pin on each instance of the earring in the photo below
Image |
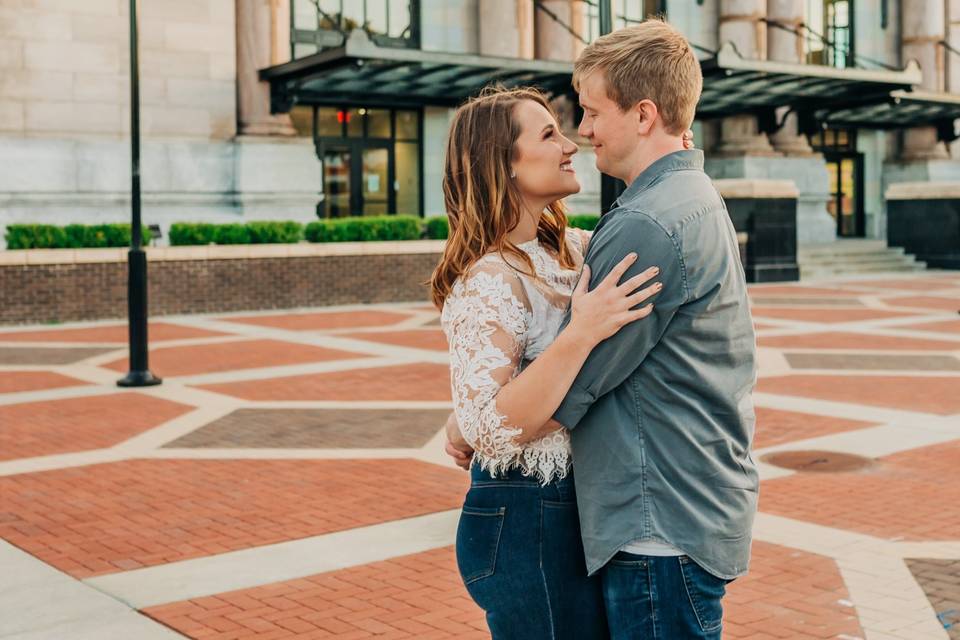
513	174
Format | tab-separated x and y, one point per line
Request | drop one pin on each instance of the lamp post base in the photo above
139	379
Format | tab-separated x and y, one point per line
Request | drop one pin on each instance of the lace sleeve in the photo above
486	324
580	238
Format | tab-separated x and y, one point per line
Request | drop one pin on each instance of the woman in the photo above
509	270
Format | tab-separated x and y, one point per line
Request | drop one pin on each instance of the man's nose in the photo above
584	129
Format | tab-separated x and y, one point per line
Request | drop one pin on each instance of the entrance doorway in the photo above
370	159
845	169
358	179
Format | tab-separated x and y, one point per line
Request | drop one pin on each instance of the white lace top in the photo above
497	320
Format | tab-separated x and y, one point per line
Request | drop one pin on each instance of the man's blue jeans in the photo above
661	598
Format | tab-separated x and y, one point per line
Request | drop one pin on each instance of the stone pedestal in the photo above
809	174
506	28
263	36
766	210
924	219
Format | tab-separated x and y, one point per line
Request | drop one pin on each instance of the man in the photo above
661	416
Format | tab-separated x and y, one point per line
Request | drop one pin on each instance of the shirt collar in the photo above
686	159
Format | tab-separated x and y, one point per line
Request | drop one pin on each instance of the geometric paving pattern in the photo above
32	355
281	429
940	580
418	596
101	519
904	496
79	424
318	429
877	362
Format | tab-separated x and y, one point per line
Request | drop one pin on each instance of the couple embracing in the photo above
601	382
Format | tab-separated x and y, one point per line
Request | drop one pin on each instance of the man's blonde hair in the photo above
648	61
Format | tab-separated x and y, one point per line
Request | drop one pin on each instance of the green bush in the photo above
71	236
191	233
438	228
233	233
583	221
275	232
363	229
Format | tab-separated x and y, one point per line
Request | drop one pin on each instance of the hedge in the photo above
71	236
583	221
354	229
363	229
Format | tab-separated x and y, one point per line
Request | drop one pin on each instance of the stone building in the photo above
289	109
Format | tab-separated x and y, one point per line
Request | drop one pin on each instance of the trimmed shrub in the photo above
438	228
368	228
275	232
583	221
231	234
71	236
191	233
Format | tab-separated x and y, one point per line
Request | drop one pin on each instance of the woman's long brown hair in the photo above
483	202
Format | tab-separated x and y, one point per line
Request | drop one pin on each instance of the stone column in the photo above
740	24
784	46
924	26
263	40
553	42
506	28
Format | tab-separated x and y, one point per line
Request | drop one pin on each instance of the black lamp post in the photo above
610	187
139	374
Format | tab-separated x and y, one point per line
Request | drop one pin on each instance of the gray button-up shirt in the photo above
661	415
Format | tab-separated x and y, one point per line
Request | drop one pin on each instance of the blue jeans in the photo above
672	598
521	558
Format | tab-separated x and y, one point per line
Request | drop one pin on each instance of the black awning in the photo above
733	85
360	72
901	109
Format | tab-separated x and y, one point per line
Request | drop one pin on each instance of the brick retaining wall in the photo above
90	284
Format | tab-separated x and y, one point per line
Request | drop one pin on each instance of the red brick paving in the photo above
788	594
916	284
924	394
157	331
324	321
841	340
800	291
420	381
233	356
949	326
911	494
416	596
17	381
80	424
925	302
432	339
777	427
827	315
112	517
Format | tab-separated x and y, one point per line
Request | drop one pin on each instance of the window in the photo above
829	34
320	24
625	13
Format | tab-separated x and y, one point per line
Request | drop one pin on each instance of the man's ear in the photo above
646	112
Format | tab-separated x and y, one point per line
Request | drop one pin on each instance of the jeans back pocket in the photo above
705	592
478	538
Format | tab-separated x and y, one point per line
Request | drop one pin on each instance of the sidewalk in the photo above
287	480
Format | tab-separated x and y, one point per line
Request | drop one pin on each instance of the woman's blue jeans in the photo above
520	555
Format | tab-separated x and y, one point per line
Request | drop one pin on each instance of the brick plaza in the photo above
287	480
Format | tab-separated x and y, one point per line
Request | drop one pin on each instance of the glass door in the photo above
846	194
337	181
375	181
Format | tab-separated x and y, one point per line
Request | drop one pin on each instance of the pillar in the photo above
553	42
263	40
784	46
506	28
924	26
